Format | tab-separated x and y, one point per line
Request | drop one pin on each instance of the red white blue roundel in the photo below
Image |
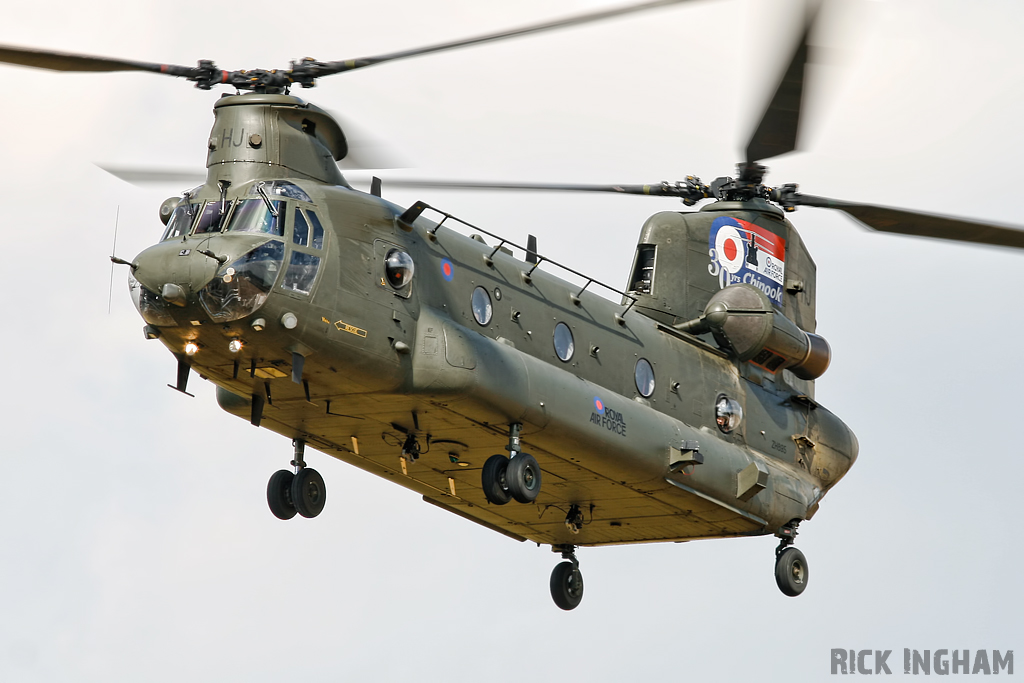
731	248
742	252
599	405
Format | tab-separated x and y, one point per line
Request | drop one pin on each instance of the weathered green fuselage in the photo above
379	362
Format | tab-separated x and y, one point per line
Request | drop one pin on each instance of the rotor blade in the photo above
776	133
366	149
325	69
659	189
147	176
64	61
903	222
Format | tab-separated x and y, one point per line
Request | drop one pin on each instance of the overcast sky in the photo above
135	541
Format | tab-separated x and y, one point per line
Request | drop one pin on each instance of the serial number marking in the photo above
780	447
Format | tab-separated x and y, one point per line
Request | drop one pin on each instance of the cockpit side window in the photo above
301	273
253	215
304	262
318	230
300	231
180	221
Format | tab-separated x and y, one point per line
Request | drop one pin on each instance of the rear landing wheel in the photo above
791	572
279	496
567	585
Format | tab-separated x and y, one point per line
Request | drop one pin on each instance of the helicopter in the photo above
280	382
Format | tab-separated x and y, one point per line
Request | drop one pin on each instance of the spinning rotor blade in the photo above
304	72
657	190
776	133
328	68
146	176
64	61
903	222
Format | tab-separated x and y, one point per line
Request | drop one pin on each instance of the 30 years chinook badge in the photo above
743	252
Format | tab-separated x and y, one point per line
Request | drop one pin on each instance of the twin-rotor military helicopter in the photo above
388	340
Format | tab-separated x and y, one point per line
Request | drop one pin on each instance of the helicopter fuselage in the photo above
274	284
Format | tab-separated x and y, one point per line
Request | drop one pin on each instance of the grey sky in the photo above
136	543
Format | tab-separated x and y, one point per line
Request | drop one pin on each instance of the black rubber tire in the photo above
279	496
523	477
309	493
791	572
566	585
493	480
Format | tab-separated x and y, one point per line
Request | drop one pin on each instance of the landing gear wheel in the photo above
567	585
308	492
279	496
523	477
494	480
791	572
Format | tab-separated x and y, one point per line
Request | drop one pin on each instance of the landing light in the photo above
235	345
258	324
191	348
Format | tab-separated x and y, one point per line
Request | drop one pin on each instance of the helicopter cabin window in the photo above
281	188
643	375
398	268
564	344
180	221
212	217
301	273
482	309
253	215
728	413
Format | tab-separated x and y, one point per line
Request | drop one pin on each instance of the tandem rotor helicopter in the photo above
379	335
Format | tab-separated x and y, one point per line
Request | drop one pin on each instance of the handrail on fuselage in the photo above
414	211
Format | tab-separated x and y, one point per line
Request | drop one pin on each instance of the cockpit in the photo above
280	211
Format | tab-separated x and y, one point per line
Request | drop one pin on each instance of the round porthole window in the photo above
398	268
482	309
644	377
564	345
728	413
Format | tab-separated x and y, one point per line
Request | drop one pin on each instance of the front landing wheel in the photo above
279	495
309	493
493	480
523	478
567	585
791	572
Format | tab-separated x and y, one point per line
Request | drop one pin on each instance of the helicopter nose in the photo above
175	270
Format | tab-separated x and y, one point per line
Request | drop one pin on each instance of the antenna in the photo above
113	250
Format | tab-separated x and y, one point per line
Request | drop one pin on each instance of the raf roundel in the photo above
730	248
599	405
447	270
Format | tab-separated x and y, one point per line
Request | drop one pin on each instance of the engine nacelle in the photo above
744	320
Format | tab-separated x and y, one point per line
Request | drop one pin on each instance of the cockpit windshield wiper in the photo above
266	200
223	184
